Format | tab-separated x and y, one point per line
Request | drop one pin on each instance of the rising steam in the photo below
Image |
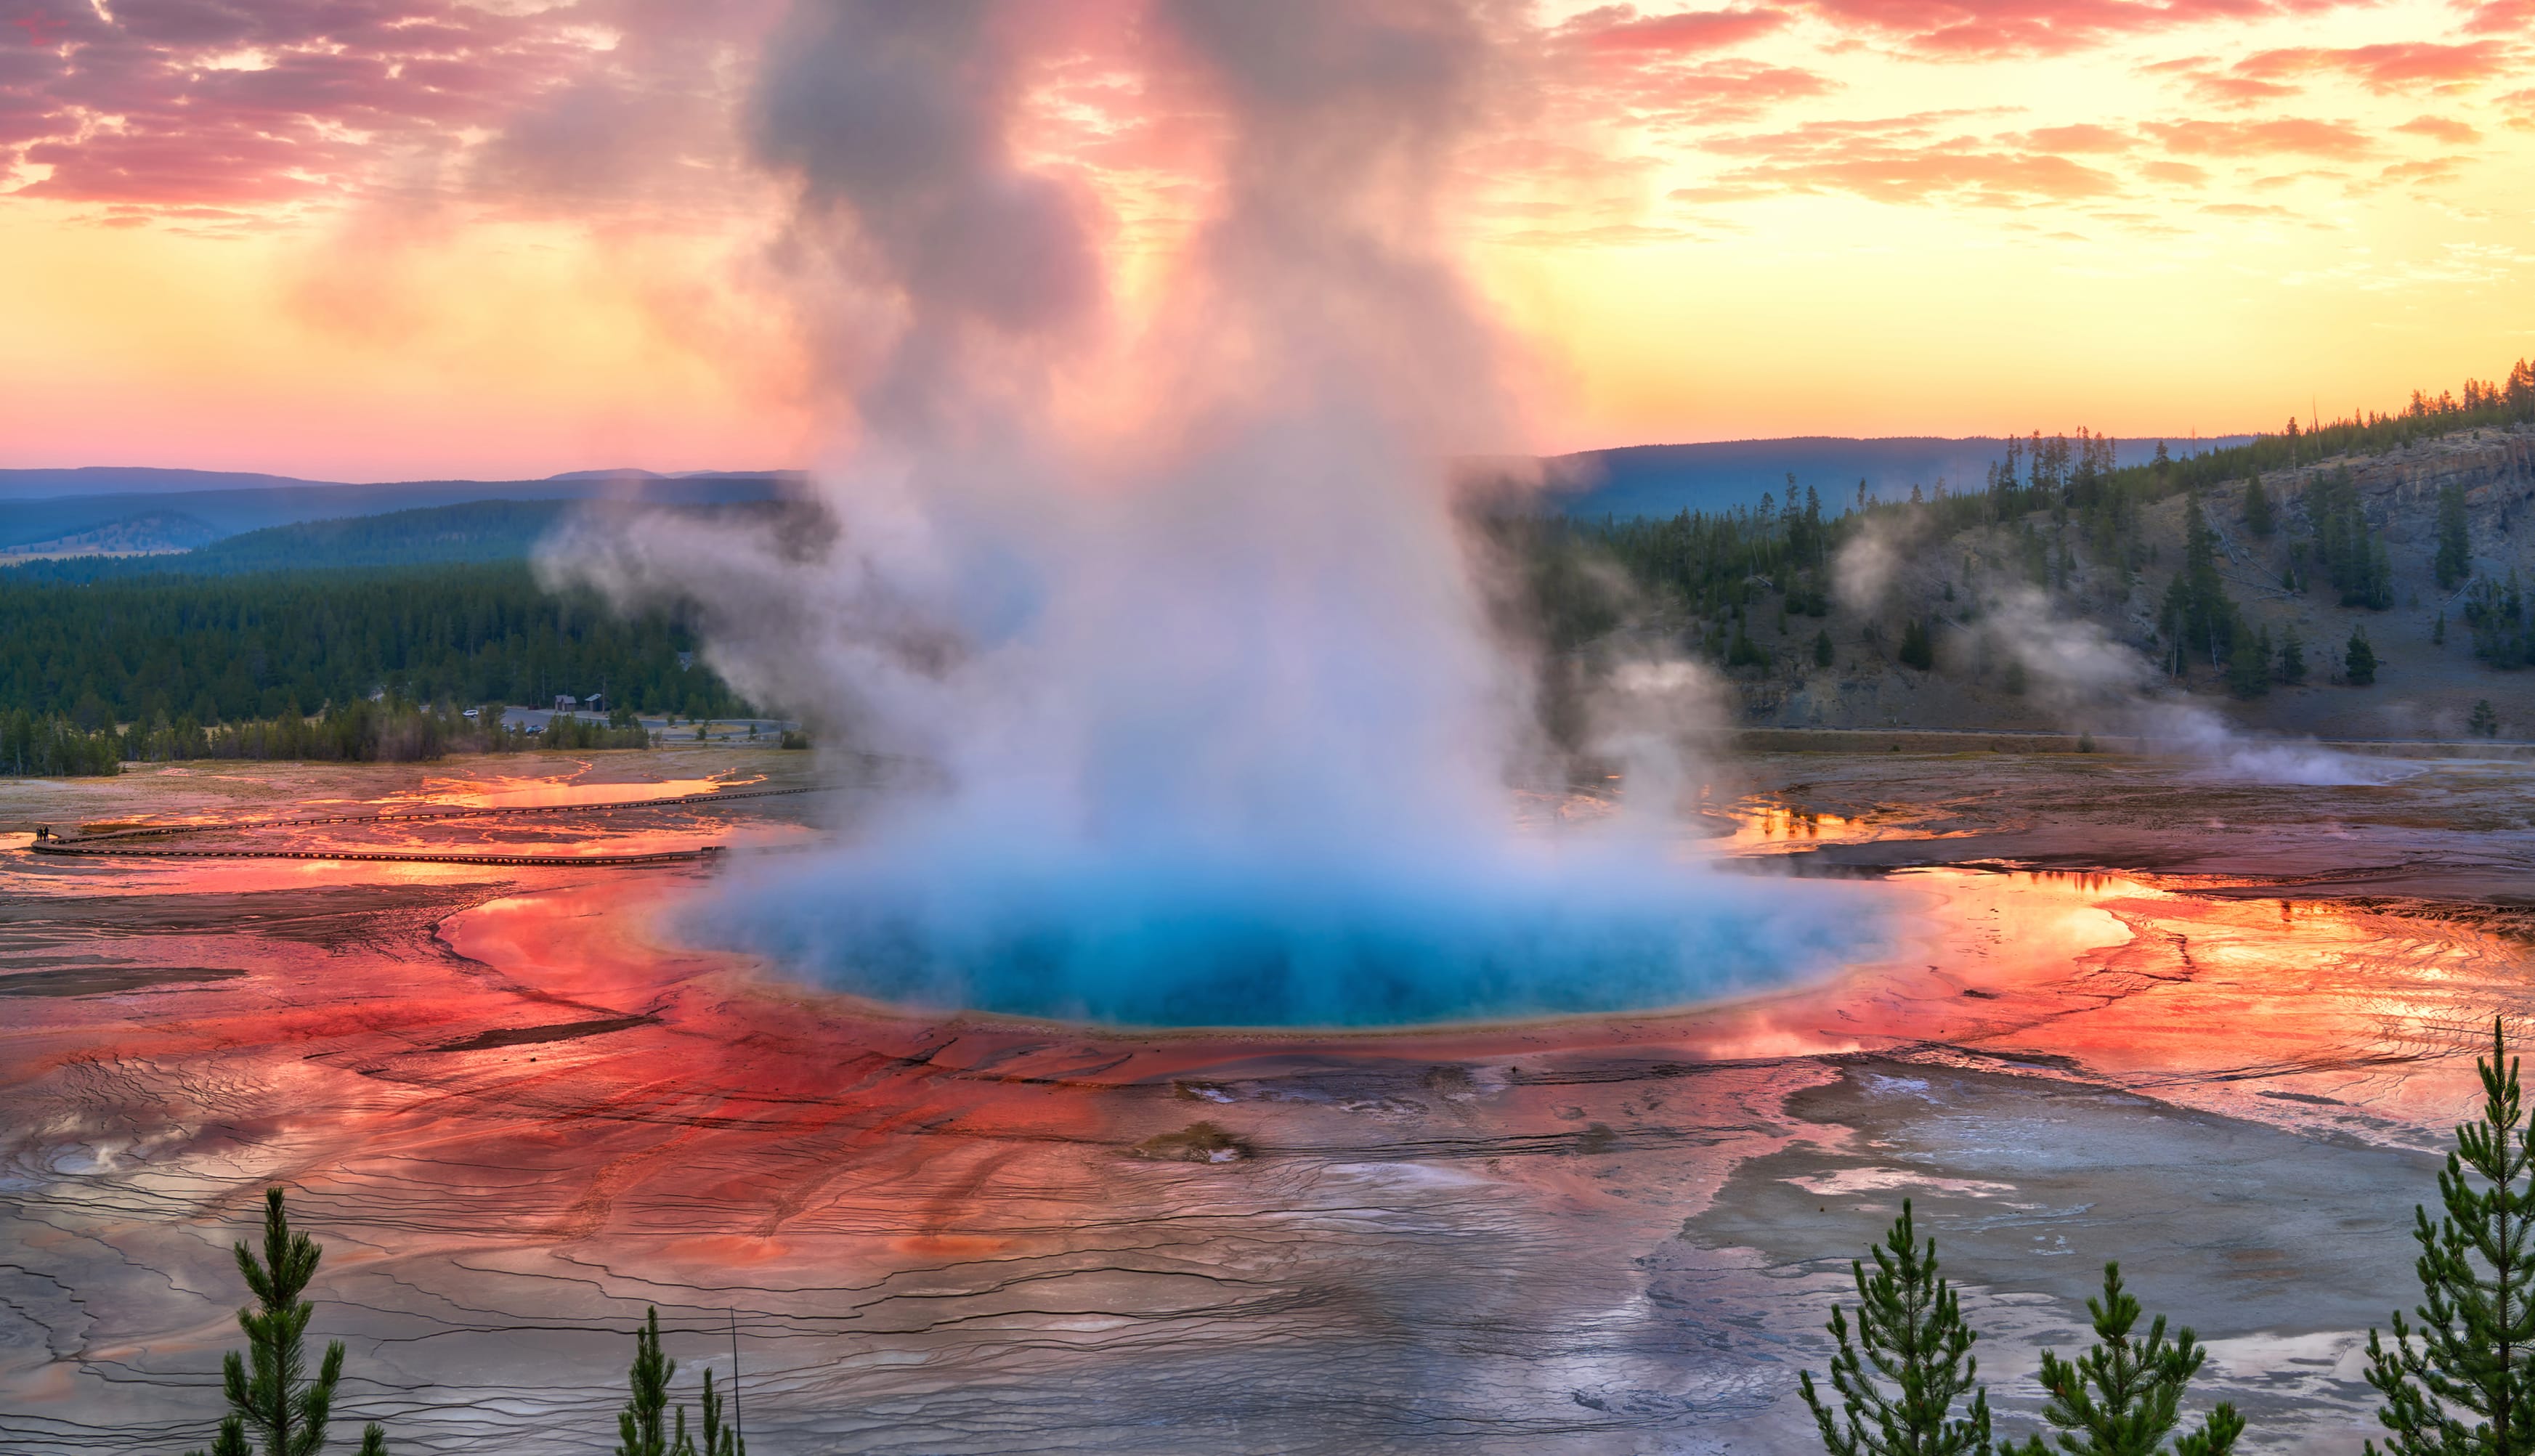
1175	612
2091	682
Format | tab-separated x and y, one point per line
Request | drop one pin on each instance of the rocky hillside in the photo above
2040	591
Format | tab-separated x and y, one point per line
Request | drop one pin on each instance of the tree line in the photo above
276	646
388	730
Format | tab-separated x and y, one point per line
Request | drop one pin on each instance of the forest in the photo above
147	649
432	535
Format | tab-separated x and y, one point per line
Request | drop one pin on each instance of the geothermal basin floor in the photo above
2217	1031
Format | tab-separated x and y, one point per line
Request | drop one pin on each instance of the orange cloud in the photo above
2432	169
2441	129
1981	30
1902	159
2082	137
2291	135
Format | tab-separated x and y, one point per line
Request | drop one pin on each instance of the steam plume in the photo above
2090	680
1207	677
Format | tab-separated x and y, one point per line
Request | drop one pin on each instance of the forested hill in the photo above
475	531
2366	580
264	645
1661	480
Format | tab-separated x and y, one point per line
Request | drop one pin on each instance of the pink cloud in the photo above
2391	67
168	102
1663	70
2500	16
1621	29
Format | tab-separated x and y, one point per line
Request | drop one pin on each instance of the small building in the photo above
565	703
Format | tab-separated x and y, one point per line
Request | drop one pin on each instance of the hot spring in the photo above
1301	942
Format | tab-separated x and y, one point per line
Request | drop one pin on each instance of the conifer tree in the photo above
2198	610
2359	660
718	1439
1917	649
639	1431
2125	1396
268	1391
2455	547
2249	666
1822	649
2292	657
2462	1381
2483	722
1910	1331
2258	518
1744	653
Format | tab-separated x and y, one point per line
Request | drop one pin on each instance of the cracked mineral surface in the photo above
2217	1031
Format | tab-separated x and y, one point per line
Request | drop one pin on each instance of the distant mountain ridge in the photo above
473	532
32	483
231	508
1665	480
50	513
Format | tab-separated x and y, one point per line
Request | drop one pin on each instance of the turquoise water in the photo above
1198	941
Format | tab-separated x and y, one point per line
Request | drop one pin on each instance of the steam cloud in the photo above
1219	732
2090	681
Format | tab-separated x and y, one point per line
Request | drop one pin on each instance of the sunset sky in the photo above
406	238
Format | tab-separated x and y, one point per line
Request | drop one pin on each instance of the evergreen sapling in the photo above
718	1439
1911	1335
640	1429
268	1391
2462	1381
2125	1396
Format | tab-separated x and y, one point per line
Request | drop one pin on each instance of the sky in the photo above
384	239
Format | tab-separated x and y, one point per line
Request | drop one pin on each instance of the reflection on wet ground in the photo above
2214	1031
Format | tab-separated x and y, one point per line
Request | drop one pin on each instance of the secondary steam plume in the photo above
1199	654
2091	682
